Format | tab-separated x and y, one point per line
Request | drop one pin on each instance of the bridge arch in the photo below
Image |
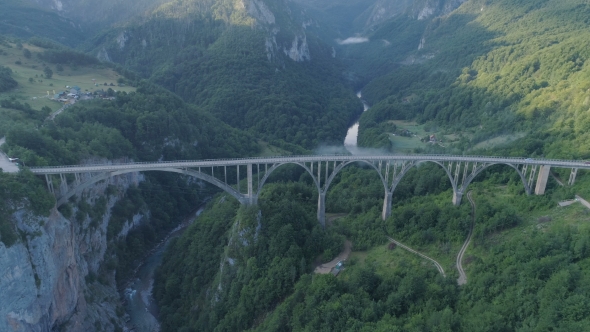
418	163
103	176
323	191
346	163
274	167
472	177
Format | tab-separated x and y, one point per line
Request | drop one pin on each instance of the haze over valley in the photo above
442	183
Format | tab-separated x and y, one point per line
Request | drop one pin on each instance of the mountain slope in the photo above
22	19
103	12
250	63
498	66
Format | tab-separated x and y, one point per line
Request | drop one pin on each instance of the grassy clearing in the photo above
498	141
403	143
36	93
407	144
384	260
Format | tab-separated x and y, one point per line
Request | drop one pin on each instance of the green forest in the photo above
526	269
24	19
215	60
524	70
6	80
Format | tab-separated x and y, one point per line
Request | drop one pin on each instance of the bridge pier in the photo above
386	205
252	200
542	180
49	184
250	189
572	179
63	184
322	209
457	196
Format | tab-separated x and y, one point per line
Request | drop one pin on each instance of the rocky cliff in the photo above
383	10
47	278
356	16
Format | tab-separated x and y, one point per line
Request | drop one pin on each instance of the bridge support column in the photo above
250	191
49	184
252	200
572	179
457	196
386	205
322	209
542	180
64	184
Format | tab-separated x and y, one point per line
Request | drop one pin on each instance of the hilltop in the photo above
37	90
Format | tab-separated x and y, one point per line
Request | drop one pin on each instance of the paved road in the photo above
306	159
462	276
438	266
6	165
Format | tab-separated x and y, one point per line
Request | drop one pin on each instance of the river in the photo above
140	304
351	139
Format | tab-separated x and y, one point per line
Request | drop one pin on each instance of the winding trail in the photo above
56	113
462	276
438	266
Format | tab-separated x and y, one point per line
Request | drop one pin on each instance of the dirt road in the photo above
438	266
327	267
462	276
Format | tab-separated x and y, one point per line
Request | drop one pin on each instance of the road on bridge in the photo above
306	159
462	276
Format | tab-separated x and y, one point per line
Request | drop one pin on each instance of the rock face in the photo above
419	9
299	50
374	12
43	277
259	11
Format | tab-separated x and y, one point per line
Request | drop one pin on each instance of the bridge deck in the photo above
299	159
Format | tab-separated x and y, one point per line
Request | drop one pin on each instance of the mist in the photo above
349	150
352	40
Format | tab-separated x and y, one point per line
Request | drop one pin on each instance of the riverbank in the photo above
351	139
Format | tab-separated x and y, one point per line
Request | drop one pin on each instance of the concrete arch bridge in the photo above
461	171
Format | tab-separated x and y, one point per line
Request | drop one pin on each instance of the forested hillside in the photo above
96	15
254	67
149	124
526	265
493	68
23	19
6	80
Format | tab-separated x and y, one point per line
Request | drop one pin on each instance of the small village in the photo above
75	93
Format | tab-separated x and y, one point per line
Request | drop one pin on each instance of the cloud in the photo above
352	40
